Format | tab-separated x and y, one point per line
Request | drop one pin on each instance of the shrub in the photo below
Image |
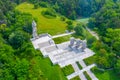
62	18
49	13
79	29
17	38
90	41
97	70
70	27
43	4
36	5
69	22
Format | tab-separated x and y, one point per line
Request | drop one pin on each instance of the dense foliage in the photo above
15	30
5	7
107	23
107	17
18	59
72	8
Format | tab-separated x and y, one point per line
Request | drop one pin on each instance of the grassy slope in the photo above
50	71
44	25
62	39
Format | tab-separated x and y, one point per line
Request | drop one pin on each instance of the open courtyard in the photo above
63	55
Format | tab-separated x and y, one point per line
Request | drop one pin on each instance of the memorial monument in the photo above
77	44
84	45
34	29
72	40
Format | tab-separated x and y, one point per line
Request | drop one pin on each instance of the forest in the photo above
20	61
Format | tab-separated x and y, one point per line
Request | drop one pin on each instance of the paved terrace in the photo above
62	55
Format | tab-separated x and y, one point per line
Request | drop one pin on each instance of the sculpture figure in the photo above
72	40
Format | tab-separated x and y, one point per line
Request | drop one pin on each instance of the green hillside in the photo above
20	61
52	26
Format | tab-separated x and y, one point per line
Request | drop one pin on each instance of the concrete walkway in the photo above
82	63
76	68
61	35
81	72
92	76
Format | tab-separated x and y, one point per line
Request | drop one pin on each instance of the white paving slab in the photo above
75	67
75	59
40	40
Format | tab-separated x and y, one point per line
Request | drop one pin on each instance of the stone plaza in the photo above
66	53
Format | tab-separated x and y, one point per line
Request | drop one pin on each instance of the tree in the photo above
117	66
2	17
69	22
91	23
2	28
6	60
73	15
36	5
113	40
107	17
43	4
17	38
102	62
90	41
27	50
79	29
5	74
70	27
18	1
6	53
21	69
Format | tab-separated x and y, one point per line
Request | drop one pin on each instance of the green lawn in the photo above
87	76
67	70
90	60
44	25
76	78
62	39
49	71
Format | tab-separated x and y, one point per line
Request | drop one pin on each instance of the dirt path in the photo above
93	33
